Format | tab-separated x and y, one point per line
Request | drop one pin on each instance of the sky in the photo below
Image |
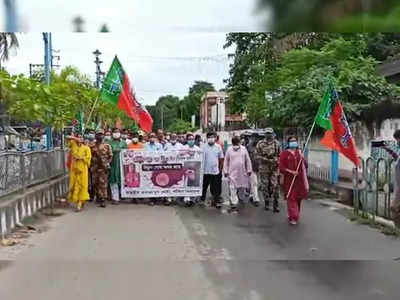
164	46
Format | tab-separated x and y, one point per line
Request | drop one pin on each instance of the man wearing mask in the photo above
107	136
213	163
135	145
197	140
115	172
251	148
152	144
268	151
190	146
237	168
101	158
174	144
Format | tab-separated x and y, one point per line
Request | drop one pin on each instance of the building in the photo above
214	116
212	110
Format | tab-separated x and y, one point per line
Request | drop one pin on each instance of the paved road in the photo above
141	252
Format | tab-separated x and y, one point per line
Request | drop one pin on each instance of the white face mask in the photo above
211	140
124	136
107	138
135	140
116	135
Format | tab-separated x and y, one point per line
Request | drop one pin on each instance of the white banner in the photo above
161	174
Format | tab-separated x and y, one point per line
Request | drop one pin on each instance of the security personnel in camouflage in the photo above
101	159
268	151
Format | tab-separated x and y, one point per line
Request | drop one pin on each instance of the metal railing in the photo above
322	164
21	170
373	186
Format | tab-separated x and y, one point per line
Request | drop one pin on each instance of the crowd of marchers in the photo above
249	165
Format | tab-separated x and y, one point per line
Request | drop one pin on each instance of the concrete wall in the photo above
14	208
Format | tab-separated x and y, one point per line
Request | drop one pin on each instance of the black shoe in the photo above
256	204
103	205
134	201
218	205
266	208
152	203
276	210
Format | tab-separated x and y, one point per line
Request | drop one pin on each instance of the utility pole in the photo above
99	73
11	15
47	70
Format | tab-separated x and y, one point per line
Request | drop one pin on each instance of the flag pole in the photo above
91	112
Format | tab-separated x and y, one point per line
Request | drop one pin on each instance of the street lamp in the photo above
99	73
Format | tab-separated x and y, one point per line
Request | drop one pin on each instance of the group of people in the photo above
95	172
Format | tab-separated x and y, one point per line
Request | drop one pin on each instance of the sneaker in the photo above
292	222
256	203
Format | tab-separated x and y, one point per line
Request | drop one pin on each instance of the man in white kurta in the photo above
237	168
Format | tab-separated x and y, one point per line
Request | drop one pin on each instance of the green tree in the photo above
8	41
180	126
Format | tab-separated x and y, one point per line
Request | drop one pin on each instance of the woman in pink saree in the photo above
288	165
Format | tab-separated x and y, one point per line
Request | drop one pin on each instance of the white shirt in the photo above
212	155
194	148
170	147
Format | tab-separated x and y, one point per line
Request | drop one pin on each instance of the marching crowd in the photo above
95	173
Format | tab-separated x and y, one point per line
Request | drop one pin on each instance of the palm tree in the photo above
8	41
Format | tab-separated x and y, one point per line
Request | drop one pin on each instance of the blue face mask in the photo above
293	145
191	143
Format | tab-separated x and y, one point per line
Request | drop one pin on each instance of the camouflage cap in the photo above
269	131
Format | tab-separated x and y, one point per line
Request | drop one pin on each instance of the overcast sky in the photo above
164	45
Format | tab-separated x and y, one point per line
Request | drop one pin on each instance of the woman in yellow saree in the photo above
78	174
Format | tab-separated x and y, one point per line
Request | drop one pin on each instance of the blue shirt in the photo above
212	155
153	147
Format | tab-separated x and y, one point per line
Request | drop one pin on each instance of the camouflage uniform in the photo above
268	153
101	159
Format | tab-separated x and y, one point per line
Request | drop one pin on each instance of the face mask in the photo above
91	136
293	145
124	136
211	140
116	135
107	138
191	143
135	140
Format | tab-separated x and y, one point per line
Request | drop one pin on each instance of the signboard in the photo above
161	174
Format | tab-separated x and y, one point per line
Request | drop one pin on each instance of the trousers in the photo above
214	182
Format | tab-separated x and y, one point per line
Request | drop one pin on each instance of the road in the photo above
140	252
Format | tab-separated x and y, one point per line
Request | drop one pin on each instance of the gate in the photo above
373	183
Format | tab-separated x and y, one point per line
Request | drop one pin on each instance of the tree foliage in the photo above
332	15
289	92
174	109
58	104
